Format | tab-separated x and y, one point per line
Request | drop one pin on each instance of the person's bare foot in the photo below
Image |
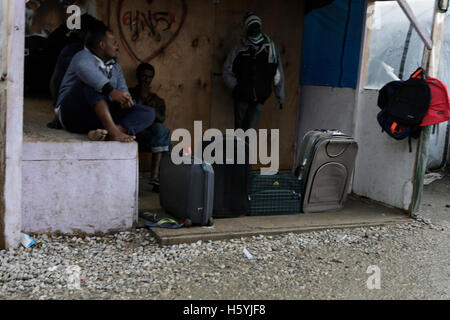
98	135
120	137
122	129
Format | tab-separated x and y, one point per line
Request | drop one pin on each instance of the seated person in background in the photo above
155	139
94	98
65	57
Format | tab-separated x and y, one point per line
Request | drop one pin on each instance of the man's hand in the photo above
127	105
122	97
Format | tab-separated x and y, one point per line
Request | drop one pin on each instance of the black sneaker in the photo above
55	124
156	189
155	182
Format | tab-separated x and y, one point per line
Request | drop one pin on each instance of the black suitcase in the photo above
187	190
231	179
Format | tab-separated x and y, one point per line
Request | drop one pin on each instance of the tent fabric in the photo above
314	4
332	44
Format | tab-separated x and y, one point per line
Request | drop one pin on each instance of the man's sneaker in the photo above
155	182
55	124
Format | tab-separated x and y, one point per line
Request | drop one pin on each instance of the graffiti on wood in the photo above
148	27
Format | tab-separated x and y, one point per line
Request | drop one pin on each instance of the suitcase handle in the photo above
334	131
206	203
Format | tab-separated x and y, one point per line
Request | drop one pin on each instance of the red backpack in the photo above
439	110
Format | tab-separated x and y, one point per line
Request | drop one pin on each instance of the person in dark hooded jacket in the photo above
253	69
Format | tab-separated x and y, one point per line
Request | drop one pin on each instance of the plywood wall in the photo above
188	47
181	54
283	23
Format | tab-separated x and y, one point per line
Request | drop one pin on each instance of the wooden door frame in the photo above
11	116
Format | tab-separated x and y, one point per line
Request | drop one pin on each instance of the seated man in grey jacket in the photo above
94	98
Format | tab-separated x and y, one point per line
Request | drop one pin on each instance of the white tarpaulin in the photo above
396	51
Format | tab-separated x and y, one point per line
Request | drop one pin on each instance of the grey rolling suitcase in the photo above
327	162
187	191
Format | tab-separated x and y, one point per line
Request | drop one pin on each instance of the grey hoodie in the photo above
90	70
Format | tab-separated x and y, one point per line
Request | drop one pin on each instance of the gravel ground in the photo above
412	258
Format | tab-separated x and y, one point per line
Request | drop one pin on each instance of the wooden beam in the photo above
430	62
11	124
432	58
3	86
365	45
4	30
416	24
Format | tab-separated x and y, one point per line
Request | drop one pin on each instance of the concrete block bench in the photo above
71	185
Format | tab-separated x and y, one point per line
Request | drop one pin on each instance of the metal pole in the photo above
419	28
431	61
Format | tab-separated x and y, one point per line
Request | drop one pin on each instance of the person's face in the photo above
253	30
146	78
110	46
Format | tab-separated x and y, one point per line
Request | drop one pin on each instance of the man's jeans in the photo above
78	112
155	139
246	114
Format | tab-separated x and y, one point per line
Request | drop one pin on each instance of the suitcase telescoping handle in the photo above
300	172
332	131
207	169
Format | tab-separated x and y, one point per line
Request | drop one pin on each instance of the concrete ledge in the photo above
357	213
79	150
79	196
71	185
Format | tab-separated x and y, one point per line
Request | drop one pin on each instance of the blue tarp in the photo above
332	44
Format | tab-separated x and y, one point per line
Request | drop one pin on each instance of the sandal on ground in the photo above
153	221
